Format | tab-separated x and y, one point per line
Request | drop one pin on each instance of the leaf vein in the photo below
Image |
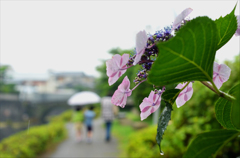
225	32
186	59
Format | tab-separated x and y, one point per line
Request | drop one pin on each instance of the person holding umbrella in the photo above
77	118
88	117
82	99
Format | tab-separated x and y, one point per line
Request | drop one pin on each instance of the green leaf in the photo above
236	106
227	112
170	95
207	144
226	26
188	56
163	120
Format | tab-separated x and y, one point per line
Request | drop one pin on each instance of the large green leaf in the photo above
207	144
226	26
227	112
163	120
170	95
188	56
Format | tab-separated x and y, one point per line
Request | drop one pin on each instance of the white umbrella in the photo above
83	98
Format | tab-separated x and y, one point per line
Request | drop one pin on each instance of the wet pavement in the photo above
97	148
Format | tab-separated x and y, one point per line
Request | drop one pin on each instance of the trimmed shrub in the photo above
33	141
63	117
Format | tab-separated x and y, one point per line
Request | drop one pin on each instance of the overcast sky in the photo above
76	35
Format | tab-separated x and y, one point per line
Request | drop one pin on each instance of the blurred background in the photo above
51	50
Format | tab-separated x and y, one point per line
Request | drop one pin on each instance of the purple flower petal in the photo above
145	109
146	102
185	94
237	33
141	43
115	67
218	82
180	101
119	97
152	110
144	115
149	105
221	74
178	20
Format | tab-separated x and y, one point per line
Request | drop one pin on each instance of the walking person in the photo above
108	114
88	118
77	118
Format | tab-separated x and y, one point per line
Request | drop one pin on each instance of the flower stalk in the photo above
218	92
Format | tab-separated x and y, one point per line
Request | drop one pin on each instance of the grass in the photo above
136	117
122	133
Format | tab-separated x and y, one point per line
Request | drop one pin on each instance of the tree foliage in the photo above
5	87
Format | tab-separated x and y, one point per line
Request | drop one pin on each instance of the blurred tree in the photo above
102	86
6	87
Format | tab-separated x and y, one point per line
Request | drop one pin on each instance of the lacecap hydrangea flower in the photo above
119	97
116	67
185	94
145	54
150	104
221	74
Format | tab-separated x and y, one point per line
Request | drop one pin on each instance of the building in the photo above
69	80
59	86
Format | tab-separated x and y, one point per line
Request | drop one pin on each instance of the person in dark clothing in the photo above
108	114
88	117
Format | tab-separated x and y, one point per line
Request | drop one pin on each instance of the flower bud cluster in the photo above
182	24
151	52
160	91
156	91
141	75
161	36
131	60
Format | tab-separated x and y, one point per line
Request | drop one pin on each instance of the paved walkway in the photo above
98	148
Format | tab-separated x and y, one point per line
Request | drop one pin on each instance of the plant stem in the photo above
138	84
159	94
145	61
151	46
140	62
184	87
219	93
209	86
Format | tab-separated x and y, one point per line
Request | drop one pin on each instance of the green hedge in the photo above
35	140
64	117
143	143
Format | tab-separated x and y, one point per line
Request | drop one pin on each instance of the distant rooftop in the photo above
44	76
67	73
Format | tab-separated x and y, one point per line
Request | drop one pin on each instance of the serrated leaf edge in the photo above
221	38
205	73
